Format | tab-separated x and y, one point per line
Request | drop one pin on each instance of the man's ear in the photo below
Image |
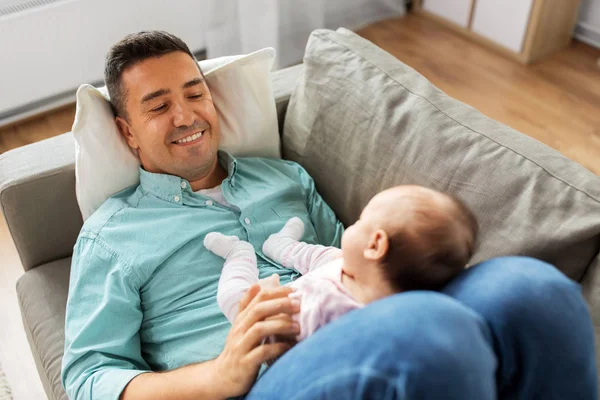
378	246
125	131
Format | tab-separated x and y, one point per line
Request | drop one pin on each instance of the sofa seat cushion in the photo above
42	294
361	121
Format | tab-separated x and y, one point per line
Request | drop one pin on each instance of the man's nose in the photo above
183	115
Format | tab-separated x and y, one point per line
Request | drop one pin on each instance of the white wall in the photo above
588	26
51	52
243	26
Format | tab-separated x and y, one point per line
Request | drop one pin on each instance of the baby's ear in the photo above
378	246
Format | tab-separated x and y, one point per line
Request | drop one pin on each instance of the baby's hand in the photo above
270	282
220	244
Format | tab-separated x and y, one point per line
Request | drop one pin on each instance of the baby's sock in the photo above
283	247
220	244
278	244
239	271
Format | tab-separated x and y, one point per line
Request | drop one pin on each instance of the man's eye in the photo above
159	108
196	96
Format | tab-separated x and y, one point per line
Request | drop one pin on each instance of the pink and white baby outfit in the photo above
323	297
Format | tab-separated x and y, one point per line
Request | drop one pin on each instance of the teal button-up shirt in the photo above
143	287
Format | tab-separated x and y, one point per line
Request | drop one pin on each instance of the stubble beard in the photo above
199	170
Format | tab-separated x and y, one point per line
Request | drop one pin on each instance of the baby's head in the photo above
408	238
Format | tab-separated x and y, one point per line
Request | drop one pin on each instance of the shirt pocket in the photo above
287	210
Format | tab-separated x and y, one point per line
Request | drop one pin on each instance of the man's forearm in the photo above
196	381
234	371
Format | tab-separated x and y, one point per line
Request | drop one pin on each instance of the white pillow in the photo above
243	97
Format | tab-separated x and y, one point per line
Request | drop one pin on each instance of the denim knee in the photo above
411	345
516	288
540	324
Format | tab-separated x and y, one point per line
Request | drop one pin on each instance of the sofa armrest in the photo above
37	189
37	198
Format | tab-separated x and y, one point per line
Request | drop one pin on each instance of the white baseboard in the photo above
588	34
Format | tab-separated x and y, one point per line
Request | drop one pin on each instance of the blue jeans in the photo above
508	328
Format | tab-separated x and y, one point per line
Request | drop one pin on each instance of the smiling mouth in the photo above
188	139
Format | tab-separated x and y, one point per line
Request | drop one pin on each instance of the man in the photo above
142	318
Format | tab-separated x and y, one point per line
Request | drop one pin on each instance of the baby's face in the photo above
389	211
357	236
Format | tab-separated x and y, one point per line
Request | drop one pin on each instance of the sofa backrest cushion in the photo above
360	121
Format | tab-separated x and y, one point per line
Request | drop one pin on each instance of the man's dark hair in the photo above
434	248
130	50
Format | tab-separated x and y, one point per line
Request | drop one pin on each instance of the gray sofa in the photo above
359	121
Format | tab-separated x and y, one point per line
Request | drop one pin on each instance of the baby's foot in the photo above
277	243
293	229
220	244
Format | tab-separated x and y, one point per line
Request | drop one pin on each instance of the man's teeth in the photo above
189	138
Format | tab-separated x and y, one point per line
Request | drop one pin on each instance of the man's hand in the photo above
237	366
262	313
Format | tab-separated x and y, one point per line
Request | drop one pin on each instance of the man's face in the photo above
172	122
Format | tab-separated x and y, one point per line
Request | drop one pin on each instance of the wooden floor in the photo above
37	128
556	101
15	357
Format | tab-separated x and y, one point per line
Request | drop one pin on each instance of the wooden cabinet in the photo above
525	30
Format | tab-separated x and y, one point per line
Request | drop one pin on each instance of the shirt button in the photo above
176	198
183	185
209	202
247	221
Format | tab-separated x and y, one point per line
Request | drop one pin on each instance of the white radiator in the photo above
49	47
588	26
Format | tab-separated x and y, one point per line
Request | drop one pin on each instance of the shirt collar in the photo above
171	187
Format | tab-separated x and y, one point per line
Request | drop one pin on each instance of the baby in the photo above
407	238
